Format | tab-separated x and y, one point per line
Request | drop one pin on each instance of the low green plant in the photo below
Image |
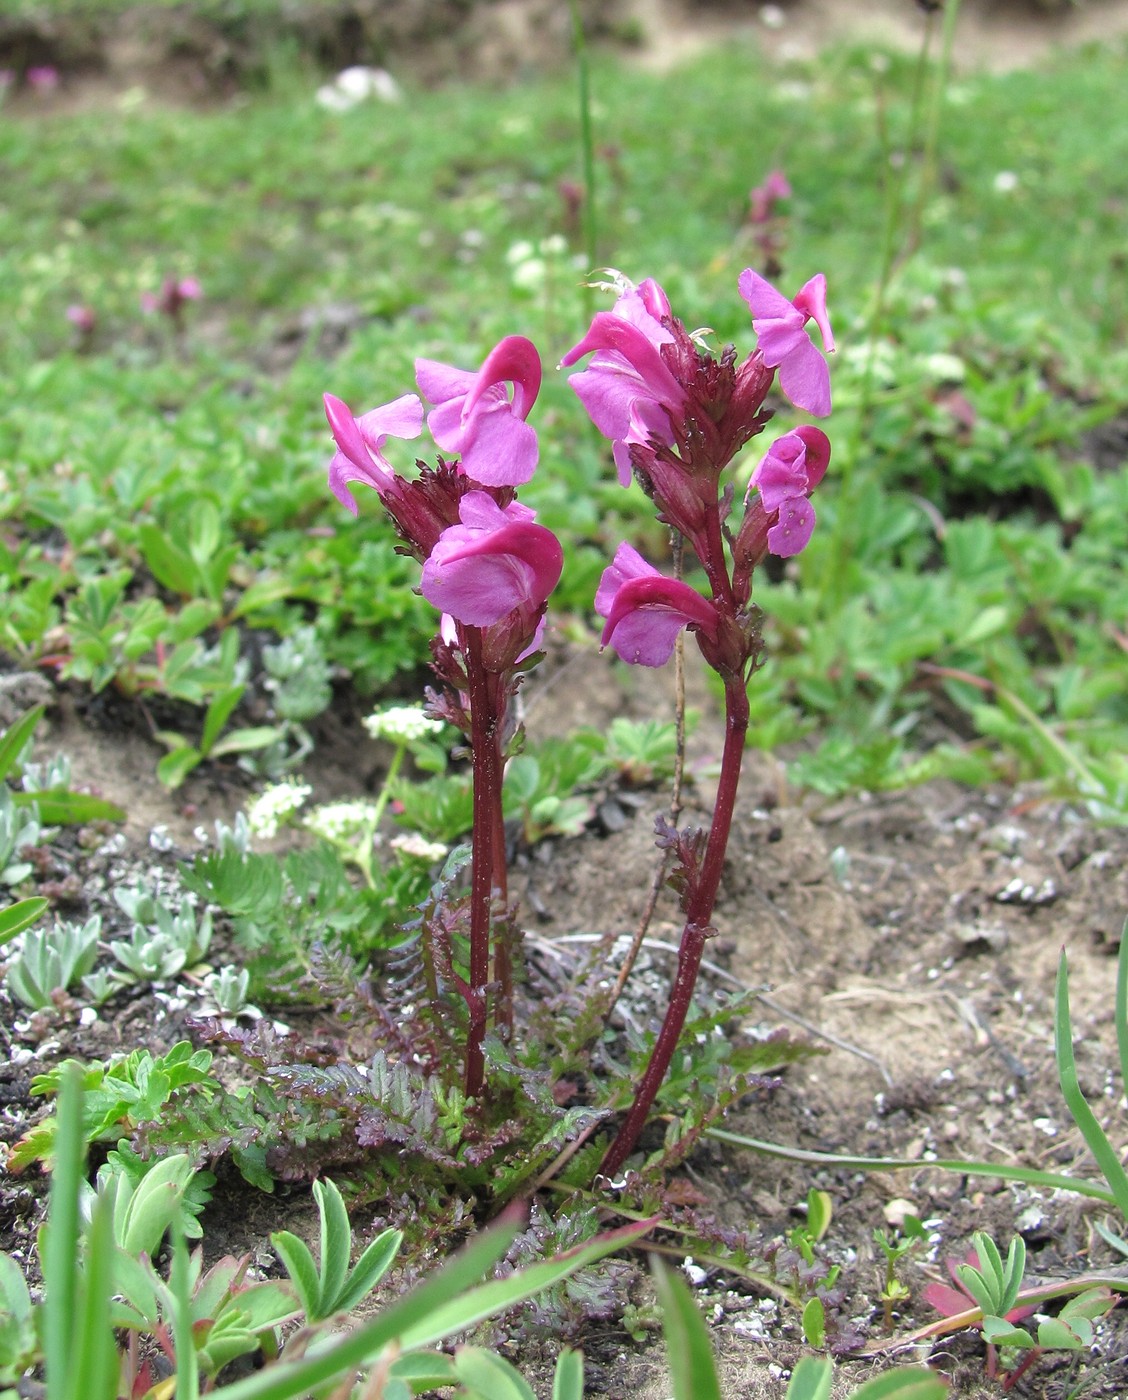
161	943
51	961
19	830
694	1375
95	1282
896	1246
990	1295
119	1095
332	1286
183	756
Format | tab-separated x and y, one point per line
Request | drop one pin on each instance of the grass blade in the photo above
1053	1181
1083	1115
906	1383
14	739
692	1369
19	916
93	1368
61	1244
499	1294
812	1379
1122	1006
568	1380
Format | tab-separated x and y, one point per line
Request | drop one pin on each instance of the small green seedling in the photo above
330	1287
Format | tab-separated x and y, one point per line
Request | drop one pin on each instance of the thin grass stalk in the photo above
61	1245
1053	1181
1122	1006
587	149
1094	1135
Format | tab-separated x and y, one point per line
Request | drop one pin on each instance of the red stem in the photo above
503	953
699	911
484	735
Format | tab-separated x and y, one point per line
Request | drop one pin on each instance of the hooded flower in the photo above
360	443
475	417
788	472
780	327
493	563
645	611
628	389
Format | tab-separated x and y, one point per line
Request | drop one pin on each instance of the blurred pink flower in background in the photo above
42	78
82	318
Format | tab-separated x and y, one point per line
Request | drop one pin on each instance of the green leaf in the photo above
692	1369
1055	1334
93	1358
814	1323
244	740
985	1297
424	1370
19	916
568	1379
57	807
489	1375
904	1383
336	1244
1002	1333
819	1210
811	1379
370	1268
60	1248
218	713
169	564
15	738
298	1262
175	766
262	593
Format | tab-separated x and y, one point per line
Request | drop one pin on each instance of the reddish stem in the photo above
699	911
503	953
484	736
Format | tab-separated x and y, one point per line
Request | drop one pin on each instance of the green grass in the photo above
986	548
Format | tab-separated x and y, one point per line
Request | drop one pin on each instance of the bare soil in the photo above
914	935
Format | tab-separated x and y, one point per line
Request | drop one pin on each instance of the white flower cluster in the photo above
402	724
274	806
411	843
358	84
340	821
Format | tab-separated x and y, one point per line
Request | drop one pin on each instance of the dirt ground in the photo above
176	55
914	935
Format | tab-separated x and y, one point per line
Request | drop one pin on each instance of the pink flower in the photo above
763	198
172	297
628	389
491	564
43	78
780	326
475	417
645	611
360	443
789	471
83	318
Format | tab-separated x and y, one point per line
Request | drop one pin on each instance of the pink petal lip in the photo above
514	360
